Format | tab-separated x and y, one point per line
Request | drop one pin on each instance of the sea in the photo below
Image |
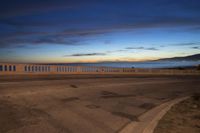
146	64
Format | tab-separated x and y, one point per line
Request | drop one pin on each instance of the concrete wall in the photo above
6	68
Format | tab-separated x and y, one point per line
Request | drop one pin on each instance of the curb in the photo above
148	121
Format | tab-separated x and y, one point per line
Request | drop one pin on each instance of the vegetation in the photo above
198	67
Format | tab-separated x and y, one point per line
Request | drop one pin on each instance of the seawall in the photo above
37	69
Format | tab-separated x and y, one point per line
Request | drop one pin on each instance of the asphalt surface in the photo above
85	104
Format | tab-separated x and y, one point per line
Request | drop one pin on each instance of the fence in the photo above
6	68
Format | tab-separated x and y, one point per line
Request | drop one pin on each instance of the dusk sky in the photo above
63	31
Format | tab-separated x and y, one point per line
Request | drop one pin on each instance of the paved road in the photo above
100	105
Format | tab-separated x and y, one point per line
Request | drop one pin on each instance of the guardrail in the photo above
8	68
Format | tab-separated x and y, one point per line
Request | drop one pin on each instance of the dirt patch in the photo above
126	115
147	105
92	106
8	118
118	96
13	116
74	86
69	99
182	118
107	94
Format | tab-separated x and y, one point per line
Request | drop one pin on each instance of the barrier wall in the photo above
6	68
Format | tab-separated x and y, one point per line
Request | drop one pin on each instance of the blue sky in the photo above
61	31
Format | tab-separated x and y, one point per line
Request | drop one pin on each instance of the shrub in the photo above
198	67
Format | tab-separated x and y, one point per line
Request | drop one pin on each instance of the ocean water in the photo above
149	64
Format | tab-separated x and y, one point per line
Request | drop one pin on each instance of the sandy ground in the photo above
84	105
182	118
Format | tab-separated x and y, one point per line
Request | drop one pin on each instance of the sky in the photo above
67	31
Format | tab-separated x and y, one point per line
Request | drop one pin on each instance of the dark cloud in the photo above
19	7
195	47
28	23
151	48
122	50
31	22
26	42
52	40
114	51
187	44
87	54
4	36
142	48
12	8
84	32
194	29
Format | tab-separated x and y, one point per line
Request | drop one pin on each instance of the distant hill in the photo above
195	57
